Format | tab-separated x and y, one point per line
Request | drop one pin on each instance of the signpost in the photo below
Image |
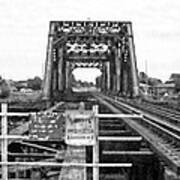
80	127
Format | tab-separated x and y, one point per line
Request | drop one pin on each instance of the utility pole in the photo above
146	72
146	67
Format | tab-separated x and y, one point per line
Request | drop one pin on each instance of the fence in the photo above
95	164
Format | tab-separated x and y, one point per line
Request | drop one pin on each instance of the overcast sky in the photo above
24	28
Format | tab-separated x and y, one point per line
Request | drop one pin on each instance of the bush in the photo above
4	89
35	83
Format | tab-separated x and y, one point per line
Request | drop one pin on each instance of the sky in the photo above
24	32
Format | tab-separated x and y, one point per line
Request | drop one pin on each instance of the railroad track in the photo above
169	117
163	136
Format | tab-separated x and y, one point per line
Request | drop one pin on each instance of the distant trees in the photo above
76	83
154	81
143	78
7	86
175	78
177	85
4	88
35	83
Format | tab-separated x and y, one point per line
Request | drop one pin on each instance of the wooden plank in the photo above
111	126
54	107
114	132
33	155
39	147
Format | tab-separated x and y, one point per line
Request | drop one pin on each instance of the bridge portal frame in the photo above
120	75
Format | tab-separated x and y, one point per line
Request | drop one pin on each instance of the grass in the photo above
25	100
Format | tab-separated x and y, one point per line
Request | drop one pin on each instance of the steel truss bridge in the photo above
134	139
106	45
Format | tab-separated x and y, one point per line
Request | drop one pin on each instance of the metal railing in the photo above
4	137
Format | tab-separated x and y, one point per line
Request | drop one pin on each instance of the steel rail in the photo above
170	115
172	130
159	141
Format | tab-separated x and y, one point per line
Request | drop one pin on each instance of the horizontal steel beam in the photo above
118	116
139	153
13	137
75	58
24	168
18	179
86	23
58	156
21	114
120	138
54	164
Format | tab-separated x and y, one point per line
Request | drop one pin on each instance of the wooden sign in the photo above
80	128
47	126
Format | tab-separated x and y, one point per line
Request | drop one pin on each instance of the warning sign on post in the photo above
80	130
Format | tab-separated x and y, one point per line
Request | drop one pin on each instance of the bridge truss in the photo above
107	45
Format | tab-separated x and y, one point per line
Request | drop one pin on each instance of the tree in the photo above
175	78
143	77
154	81
4	89
177	85
35	83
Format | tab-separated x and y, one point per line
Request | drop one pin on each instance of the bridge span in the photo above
106	45
110	135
